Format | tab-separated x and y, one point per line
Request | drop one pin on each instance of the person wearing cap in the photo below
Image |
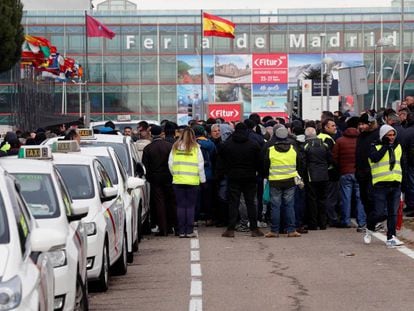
240	158
162	200
385	162
317	158
368	134
186	164
280	168
344	156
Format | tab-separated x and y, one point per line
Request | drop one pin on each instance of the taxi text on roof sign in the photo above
35	152
86	133
66	146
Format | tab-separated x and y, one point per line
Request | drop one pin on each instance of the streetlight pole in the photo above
322	35
328	61
380	44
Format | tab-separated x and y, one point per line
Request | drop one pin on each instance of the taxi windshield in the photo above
120	149
110	168
4	229
78	180
40	194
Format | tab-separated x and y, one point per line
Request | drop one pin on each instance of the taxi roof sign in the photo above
86	133
123	117
35	152
65	146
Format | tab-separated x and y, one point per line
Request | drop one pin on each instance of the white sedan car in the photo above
90	186
26	272
125	185
49	201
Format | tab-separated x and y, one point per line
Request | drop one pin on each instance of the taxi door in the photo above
113	212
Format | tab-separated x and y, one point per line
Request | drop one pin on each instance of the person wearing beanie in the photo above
344	153
162	200
280	165
241	159
10	145
385	162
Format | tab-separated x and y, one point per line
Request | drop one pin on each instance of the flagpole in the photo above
102	81
202	116
87	103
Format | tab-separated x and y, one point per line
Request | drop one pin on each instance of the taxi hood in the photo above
4	256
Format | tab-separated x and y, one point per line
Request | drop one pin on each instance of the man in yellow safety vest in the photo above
385	163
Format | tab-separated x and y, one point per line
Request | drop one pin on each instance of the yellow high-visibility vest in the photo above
282	164
6	147
185	167
380	171
325	136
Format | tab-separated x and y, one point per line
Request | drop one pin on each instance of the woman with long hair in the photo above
186	164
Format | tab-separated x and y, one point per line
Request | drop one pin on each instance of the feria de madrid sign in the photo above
242	41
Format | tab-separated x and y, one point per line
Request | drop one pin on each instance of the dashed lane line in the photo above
196	289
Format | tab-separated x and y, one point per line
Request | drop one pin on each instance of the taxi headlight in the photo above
58	258
90	228
10	293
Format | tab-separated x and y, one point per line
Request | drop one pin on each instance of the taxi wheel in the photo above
81	299
120	267
102	283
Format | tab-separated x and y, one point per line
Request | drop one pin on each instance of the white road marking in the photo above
195	256
196	304
402	249
195	270
196	288
195	244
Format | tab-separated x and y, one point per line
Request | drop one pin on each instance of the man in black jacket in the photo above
318	159
155	159
241	160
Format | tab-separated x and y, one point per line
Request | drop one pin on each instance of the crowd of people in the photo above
260	172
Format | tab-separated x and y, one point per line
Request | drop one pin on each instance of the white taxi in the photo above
125	185
90	186
26	273
125	149
49	202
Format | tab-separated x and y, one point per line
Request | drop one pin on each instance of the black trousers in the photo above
249	192
316	193
163	202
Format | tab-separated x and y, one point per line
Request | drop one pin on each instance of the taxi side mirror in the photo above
109	193
135	182
140	170
79	211
45	239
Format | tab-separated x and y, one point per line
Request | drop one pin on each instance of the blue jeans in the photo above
283	199
387	201
350	187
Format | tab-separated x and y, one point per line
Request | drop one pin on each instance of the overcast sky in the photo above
253	4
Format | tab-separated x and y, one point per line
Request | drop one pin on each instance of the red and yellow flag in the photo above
217	26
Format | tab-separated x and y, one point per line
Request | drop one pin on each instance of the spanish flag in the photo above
217	26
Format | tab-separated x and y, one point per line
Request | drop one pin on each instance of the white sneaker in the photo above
393	242
191	235
155	229
367	236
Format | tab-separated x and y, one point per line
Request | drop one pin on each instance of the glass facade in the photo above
138	72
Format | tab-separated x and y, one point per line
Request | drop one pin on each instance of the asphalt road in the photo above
322	270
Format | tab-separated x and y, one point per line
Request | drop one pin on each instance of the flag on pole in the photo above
94	28
217	26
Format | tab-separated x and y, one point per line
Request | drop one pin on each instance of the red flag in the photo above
94	28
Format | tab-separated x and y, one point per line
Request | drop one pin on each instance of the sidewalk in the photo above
407	230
